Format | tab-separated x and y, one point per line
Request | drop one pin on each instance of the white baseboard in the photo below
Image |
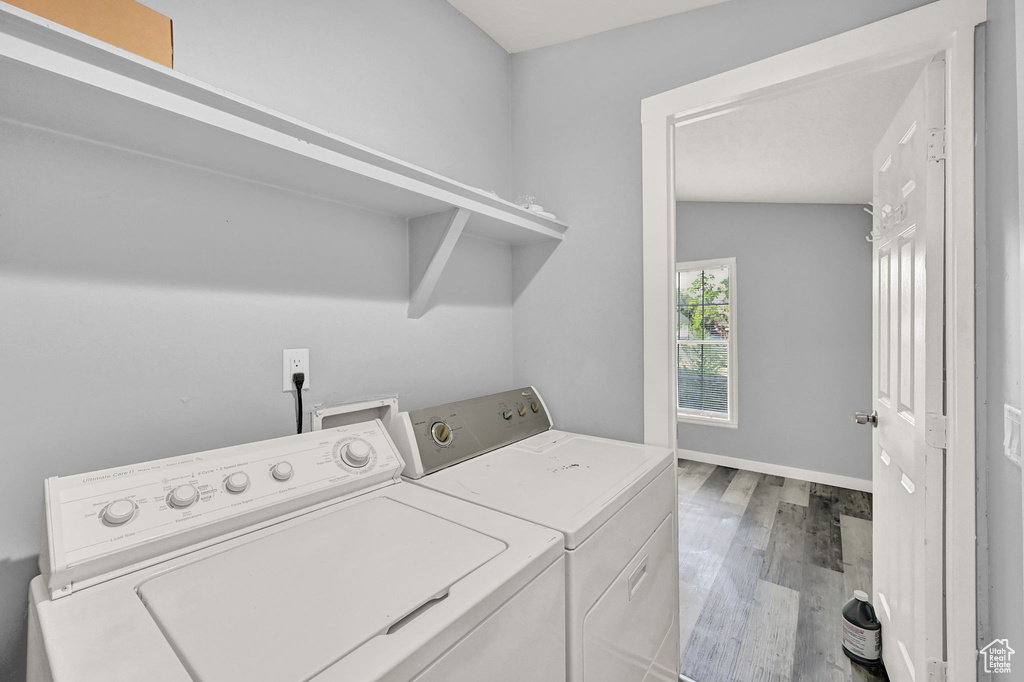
862	484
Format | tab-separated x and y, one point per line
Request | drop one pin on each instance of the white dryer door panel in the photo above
625	629
288	605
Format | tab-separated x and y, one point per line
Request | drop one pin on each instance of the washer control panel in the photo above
437	437
120	512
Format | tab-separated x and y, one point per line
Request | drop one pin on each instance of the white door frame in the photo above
943	26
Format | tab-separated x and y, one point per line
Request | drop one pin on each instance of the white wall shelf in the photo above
58	79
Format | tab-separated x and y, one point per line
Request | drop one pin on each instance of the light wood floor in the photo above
765	565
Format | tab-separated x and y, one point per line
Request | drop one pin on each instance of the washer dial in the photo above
357	453
118	512
282	471
237	482
183	496
353	454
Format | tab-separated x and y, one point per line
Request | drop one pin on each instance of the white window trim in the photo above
691	417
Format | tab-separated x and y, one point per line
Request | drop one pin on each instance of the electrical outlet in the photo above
295	360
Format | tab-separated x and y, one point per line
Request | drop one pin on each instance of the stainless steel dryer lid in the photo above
288	605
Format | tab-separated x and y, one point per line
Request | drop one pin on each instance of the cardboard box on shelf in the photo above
123	23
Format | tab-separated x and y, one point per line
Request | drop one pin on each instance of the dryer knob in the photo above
522	410
237	482
357	453
183	496
535	406
119	512
441	433
282	471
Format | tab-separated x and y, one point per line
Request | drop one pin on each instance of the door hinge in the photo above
62	591
935	430
936	671
936	144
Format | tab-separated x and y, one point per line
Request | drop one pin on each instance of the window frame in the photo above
731	421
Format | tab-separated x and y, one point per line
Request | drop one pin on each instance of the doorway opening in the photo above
943	29
784	188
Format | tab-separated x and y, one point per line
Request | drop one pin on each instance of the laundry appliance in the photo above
614	502
295	559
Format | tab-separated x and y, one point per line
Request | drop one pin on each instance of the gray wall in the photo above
803	288
145	304
576	135
106	360
413	79
1001	603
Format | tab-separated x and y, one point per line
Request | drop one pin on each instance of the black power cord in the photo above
298	379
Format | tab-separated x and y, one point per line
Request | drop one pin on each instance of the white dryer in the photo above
295	559
614	502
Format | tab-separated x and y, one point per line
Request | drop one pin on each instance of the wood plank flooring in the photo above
765	565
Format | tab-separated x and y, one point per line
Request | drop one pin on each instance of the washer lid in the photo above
290	604
564	481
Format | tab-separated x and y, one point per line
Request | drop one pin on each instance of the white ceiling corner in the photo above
527	24
812	145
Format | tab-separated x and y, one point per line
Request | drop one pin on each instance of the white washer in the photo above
300	558
614	502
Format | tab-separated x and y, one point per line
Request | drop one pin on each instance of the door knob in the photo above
865	418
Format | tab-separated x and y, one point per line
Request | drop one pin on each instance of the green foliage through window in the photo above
702	331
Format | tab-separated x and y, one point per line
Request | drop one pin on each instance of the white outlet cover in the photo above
295	360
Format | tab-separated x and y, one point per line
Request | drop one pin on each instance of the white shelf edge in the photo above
43	44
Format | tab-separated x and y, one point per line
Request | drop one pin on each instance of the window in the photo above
706	342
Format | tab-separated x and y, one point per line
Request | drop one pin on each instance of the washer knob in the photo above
535	406
119	512
282	471
357	453
183	496
237	482
522	410
441	433
506	414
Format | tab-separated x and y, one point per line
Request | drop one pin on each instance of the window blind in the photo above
702	340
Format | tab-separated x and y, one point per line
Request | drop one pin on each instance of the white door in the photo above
908	454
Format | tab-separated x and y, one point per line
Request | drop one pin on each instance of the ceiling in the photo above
526	24
812	145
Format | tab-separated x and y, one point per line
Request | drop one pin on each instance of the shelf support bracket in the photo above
440	231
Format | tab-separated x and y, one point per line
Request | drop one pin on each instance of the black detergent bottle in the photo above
862	633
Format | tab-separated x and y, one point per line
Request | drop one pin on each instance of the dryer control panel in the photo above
113	520
437	437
